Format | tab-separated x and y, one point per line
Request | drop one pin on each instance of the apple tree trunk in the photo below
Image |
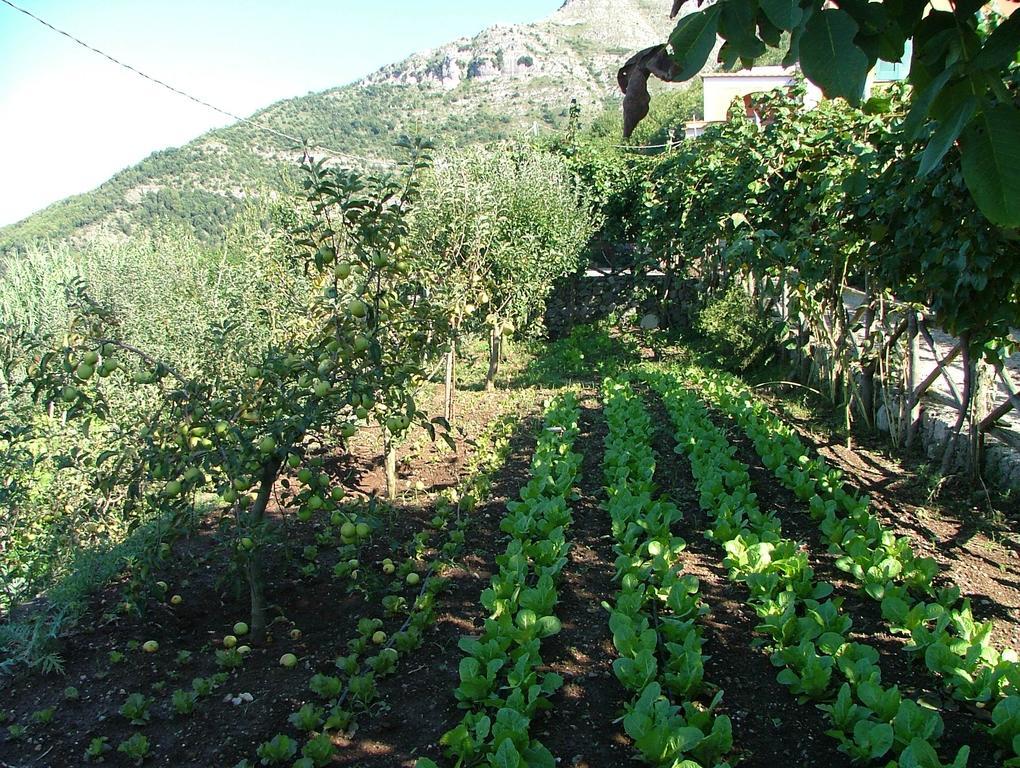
495	353
254	570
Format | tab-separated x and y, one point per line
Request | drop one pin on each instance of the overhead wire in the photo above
300	143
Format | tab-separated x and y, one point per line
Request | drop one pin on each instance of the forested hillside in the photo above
504	81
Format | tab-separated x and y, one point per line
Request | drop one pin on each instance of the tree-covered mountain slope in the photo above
504	81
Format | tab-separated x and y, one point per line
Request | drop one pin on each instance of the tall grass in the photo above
167	290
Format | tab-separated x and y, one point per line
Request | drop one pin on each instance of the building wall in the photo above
721	89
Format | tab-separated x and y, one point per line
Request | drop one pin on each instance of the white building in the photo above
721	88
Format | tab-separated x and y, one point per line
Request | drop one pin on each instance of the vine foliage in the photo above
963	73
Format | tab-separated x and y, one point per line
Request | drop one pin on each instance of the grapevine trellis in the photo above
867	348
812	207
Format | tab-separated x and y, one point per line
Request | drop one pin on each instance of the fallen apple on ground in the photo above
288	660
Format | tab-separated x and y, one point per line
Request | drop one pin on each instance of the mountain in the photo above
503	81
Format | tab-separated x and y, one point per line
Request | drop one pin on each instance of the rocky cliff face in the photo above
582	44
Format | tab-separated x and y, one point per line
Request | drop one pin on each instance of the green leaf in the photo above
770	34
535	755
878	105
506	756
1006	719
793	53
737	27
1001	46
990	149
692	41
829	57
787	677
922	105
919	754
876	738
785	14
947	133
105	456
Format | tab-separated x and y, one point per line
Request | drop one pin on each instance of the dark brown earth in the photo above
973	533
581	730
975	547
898	667
219	733
417	705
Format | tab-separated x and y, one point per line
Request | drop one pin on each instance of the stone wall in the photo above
587	297
935	430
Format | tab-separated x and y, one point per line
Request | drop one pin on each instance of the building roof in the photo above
769	71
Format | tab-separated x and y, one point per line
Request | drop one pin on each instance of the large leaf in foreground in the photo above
830	58
693	40
990	148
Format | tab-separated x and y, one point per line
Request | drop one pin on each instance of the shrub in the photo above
737	334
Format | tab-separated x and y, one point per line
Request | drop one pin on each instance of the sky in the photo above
70	119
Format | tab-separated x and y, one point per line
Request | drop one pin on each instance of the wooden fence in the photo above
868	351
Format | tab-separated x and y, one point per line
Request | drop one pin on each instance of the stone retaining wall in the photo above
588	298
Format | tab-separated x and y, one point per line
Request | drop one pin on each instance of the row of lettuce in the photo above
654	616
670	711
654	621
502	685
955	648
808	628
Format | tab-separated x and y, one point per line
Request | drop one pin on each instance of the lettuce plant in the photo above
277	751
136	748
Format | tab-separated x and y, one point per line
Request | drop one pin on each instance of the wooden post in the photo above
868	366
949	455
495	339
789	354
450	381
803	341
390	456
1011	403
911	380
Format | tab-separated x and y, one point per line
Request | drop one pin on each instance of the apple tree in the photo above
356	356
453	229
500	224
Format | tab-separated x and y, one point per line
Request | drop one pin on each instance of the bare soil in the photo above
417	705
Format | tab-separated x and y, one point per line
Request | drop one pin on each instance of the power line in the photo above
279	134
